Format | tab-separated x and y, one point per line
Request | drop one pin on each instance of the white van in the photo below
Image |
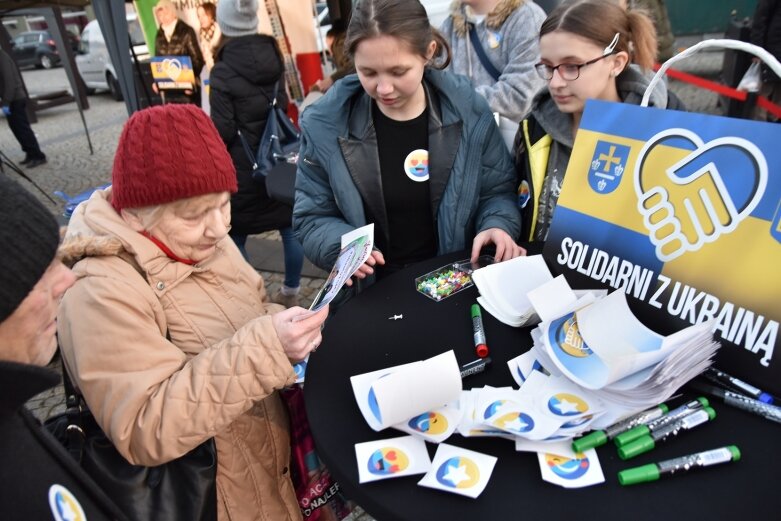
93	60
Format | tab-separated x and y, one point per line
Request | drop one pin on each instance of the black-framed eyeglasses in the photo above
567	71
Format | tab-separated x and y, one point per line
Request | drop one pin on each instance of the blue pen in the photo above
735	384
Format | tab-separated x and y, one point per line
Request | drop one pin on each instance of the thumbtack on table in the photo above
396	317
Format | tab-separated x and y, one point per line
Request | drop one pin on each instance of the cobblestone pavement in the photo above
72	169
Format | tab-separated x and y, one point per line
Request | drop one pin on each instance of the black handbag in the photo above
184	489
279	142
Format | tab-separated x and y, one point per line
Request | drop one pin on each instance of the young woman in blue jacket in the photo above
406	146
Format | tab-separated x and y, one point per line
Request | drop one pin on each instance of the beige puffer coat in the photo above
217	377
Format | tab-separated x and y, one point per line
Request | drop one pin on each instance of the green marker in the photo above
599	438
654	471
648	442
672	416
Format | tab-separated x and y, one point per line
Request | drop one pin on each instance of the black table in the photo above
360	338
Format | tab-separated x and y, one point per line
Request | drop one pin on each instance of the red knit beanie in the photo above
167	153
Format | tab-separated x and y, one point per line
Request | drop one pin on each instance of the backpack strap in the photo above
490	67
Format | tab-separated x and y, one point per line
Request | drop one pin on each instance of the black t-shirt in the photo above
403	153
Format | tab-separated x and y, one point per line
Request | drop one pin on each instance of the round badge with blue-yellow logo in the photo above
416	165
568	468
566	404
388	460
64	505
458	472
429	422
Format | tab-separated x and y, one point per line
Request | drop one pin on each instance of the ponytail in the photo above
643	37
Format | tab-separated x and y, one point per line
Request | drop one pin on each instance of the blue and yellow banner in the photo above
682	211
173	72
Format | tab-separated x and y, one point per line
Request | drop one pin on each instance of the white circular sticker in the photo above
416	165
64	505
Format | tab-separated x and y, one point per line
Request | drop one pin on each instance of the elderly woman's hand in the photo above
299	330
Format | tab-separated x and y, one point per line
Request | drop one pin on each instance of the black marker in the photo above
477	366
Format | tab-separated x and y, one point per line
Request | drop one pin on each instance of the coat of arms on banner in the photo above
683	212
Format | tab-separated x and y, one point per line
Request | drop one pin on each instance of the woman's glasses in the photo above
567	71
571	71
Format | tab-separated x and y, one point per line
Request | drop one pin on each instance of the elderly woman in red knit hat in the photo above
168	332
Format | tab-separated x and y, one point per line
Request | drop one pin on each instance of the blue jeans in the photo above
294	255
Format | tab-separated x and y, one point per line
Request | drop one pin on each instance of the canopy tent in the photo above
111	18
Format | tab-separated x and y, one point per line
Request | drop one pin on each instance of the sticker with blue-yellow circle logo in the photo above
64	505
416	165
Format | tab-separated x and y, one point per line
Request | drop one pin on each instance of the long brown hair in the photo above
600	20
406	20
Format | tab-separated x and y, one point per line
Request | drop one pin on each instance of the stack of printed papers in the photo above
606	351
513	291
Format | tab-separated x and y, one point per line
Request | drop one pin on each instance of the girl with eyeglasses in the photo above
586	48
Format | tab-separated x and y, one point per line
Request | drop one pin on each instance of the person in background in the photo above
248	67
586	47
766	33
334	39
14	105
41	480
406	146
209	32
168	332
506	31
176	38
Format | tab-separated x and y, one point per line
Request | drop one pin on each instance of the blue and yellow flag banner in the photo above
173	72
681	211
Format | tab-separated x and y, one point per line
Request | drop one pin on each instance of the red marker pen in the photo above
481	348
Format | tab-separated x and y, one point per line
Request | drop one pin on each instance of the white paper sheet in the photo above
506	283
398	394
522	365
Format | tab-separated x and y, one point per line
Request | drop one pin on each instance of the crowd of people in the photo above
164	327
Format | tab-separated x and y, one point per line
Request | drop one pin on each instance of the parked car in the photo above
93	60
37	48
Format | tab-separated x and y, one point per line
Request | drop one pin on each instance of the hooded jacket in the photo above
217	376
544	144
34	463
509	35
338	181
241	89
